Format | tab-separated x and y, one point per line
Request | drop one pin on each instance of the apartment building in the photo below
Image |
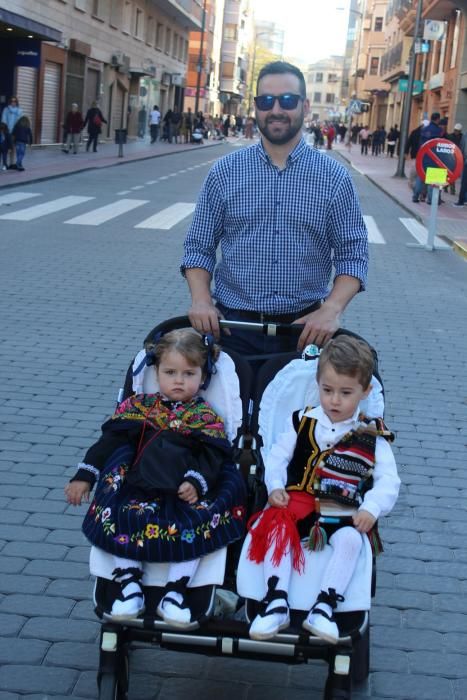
324	87
124	54
236	40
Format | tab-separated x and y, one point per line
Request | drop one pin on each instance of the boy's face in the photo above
339	394
178	380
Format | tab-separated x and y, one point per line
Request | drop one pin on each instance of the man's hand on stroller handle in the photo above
204	317
278	498
363	521
319	327
187	492
77	491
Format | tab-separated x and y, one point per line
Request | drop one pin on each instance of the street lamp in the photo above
408	96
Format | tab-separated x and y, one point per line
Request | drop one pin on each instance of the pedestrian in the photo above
142	120
330	134
188	120
364	135
73	125
284	215
463	186
431	131
5	144
94	120
154	123
392	140
376	141
329	459
226	125
455	137
161	461
10	115
174	124
22	136
382	139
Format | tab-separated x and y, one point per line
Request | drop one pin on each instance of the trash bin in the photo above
120	135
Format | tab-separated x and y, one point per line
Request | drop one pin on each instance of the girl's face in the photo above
339	394
178	380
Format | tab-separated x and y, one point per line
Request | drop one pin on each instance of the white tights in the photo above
177	570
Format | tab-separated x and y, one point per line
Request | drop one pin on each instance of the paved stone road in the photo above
74	305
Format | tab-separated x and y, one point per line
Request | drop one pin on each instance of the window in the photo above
374	65
332	78
455	40
378	24
150	31
329	98
116	13
317	97
230	32
127	12
175	46
319	78
168	39
159	35
139	23
81	5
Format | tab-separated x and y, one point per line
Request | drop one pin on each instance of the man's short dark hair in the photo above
435	116
279	68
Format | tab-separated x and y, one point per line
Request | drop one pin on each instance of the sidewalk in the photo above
45	162
451	221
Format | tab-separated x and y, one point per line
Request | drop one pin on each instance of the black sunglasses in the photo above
286	101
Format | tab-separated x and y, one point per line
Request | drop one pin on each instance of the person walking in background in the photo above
376	141
142	119
22	136
188	125
154	123
455	137
73	126
364	137
94	120
463	186
392	140
431	131
10	115
174	124
5	144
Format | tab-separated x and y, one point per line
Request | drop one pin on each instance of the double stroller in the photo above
226	592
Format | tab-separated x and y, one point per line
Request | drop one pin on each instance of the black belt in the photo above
260	317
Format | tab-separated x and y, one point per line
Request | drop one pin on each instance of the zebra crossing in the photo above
163	220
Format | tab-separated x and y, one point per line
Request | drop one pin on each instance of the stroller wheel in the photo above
108	687
360	664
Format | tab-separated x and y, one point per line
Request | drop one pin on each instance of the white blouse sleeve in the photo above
380	500
278	458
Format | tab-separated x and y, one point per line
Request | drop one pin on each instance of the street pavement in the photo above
80	286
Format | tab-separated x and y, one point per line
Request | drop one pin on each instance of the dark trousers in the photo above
463	189
154	128
364	144
92	139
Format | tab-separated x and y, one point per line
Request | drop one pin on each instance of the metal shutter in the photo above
26	81
50	102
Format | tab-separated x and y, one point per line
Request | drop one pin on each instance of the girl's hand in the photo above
363	521
279	498
77	491
187	492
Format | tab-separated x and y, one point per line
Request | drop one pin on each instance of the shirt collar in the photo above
322	418
294	155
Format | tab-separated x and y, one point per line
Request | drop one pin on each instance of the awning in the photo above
139	70
26	26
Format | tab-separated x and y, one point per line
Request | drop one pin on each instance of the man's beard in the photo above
288	135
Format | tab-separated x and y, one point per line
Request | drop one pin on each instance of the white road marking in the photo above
17	197
420	233
167	218
47	208
374	234
110	211
150	182
124	192
138	187
163	177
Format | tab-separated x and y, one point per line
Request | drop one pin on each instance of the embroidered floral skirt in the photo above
166	528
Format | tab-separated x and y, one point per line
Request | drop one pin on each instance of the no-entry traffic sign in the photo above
440	153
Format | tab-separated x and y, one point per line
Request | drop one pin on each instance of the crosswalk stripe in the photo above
420	233
169	217
17	197
38	210
374	234
110	211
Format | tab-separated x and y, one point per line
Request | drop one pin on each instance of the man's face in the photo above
279	126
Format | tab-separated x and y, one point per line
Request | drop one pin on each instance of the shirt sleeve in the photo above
380	500
349	235
206	227
278	458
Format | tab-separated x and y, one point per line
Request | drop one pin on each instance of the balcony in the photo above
401	8
392	58
187	13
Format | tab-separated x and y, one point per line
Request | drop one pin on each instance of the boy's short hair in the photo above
348	355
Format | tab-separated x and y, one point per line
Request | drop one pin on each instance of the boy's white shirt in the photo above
378	501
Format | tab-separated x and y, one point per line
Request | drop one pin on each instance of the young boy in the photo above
331	460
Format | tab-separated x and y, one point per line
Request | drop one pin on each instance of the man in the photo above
73	127
432	130
10	115
142	118
455	137
463	187
154	123
279	210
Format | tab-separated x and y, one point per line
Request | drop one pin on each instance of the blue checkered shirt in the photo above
281	232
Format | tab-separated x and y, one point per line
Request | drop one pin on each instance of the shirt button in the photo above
333	430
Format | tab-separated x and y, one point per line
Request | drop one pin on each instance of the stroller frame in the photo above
348	661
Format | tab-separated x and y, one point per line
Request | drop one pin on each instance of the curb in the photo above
107	165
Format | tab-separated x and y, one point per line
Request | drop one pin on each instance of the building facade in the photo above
324	89
236	39
123	54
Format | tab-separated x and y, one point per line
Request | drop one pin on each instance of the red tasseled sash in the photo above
277	527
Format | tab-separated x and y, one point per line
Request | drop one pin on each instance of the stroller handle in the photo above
267	328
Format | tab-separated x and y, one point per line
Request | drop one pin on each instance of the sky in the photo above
315	29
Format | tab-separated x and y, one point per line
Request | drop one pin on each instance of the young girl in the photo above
332	460
22	136
167	490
